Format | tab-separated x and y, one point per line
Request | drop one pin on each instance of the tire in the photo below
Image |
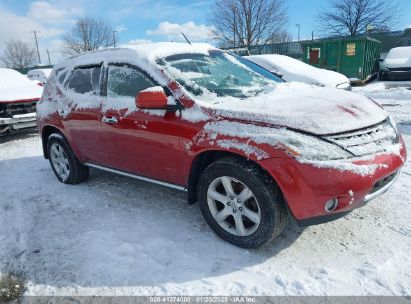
64	163
265	201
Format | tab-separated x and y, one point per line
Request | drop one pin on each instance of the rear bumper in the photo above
20	121
306	187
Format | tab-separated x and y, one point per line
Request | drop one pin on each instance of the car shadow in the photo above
18	134
110	231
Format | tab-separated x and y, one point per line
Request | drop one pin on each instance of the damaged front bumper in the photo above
307	188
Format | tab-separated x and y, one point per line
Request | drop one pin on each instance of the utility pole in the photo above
48	55
114	38
234	28
299	28
312	35
37	46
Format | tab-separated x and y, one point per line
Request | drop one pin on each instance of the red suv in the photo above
253	150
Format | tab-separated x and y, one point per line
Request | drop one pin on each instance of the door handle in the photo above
109	120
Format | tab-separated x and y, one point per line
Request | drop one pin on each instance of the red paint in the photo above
164	147
151	100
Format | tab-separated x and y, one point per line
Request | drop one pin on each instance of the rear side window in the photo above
85	80
126	81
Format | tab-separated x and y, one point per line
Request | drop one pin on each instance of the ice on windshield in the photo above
217	73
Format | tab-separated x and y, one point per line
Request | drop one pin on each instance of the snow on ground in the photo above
113	235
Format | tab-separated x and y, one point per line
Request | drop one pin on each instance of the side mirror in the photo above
152	98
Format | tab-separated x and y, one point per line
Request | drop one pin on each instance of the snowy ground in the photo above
113	235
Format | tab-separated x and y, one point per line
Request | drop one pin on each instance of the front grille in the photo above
10	109
383	182
399	75
403	69
366	141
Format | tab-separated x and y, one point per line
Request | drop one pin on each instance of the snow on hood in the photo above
304	107
295	70
15	86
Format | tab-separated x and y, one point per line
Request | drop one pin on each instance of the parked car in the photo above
397	64
253	150
40	75
291	69
18	98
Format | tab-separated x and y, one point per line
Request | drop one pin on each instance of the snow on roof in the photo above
15	86
146	52
143	55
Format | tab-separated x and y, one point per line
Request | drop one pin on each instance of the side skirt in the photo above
139	177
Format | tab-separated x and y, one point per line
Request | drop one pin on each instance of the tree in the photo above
88	34
354	17
18	54
245	23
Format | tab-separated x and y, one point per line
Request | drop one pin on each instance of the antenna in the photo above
186	38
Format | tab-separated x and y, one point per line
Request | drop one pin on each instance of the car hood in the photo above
23	93
295	70
397	63
303	107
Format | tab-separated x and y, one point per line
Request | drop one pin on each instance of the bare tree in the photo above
18	54
354	17
88	34
245	23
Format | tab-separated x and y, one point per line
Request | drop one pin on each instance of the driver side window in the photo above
125	81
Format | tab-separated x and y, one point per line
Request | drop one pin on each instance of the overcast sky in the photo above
134	20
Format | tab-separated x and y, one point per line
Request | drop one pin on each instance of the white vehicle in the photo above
39	74
18	98
291	69
397	64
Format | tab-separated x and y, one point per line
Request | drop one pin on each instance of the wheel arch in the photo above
45	133
206	158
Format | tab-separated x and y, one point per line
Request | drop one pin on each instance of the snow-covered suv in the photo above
253	150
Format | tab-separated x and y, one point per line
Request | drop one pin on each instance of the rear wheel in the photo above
64	163
241	203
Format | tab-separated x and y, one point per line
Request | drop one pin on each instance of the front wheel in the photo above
64	163
241	203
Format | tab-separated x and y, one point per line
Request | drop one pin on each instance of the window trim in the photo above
87	66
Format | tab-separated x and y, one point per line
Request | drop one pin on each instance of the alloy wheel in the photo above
60	161
233	206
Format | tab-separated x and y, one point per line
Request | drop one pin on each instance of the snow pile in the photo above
15	86
295	70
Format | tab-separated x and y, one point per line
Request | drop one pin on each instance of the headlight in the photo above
309	147
344	86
